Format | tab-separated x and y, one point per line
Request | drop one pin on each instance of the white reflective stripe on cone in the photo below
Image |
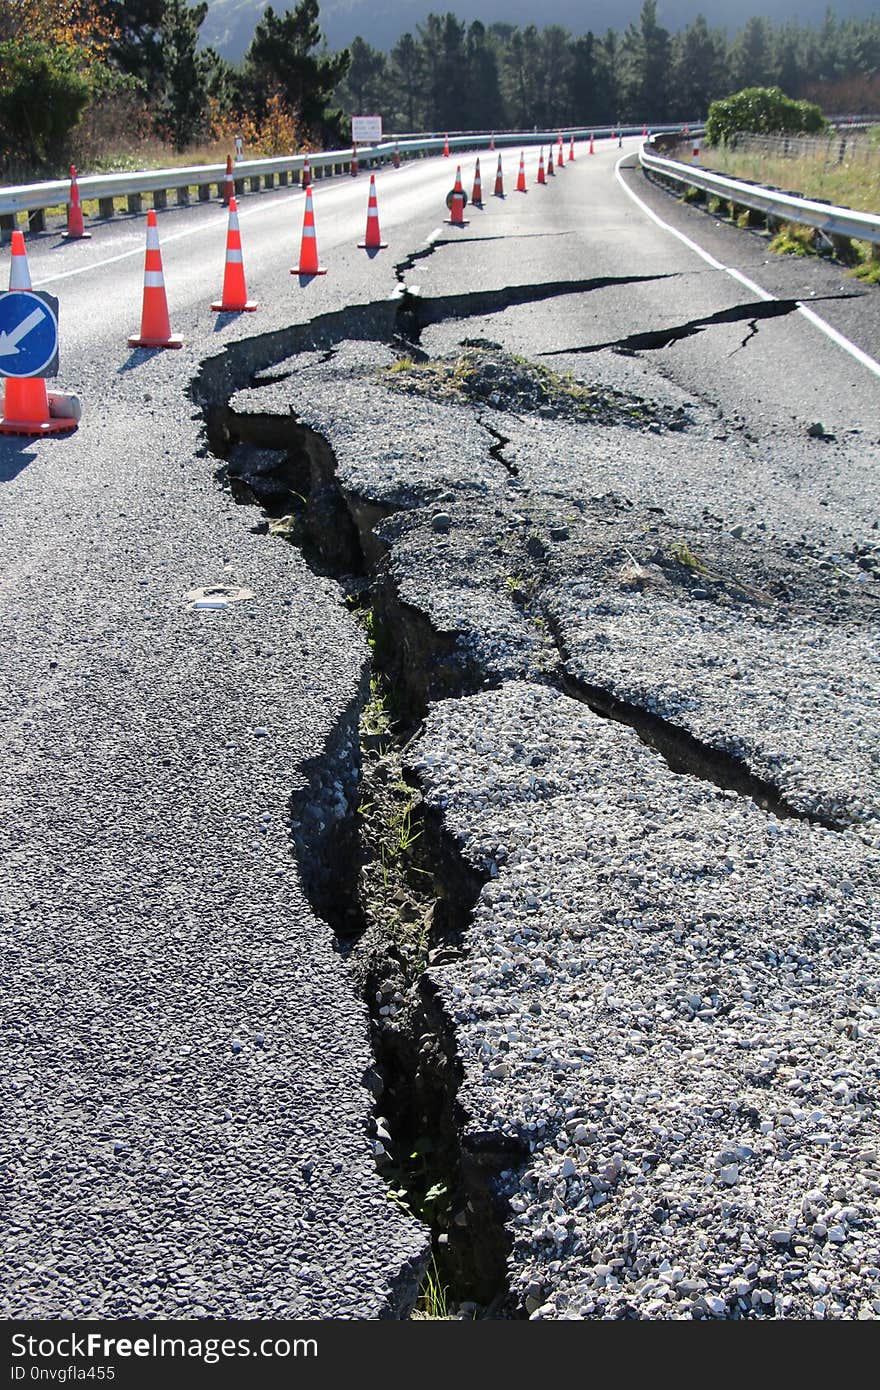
152	239
308	231
234	257
19	275
153	280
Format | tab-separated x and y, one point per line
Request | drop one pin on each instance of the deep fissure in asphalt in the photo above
450	1181
417	914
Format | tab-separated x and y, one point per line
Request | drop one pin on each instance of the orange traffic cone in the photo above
228	183
234	298
541	178
492	141
308	254
696	151
155	326
396	159
560	154
550	169
306	173
373	239
521	176
19	272
26	400
26	409
571	151
76	229
354	161
477	192
592	150
644	131
456	201
499	180
445	146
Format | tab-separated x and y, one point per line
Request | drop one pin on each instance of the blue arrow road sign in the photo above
28	333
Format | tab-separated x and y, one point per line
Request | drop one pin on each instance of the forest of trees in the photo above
67	63
449	75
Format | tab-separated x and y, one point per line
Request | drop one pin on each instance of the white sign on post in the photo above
366	130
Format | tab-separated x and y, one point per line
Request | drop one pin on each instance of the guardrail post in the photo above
37	220
269	181
254	182
204	192
238	185
7	227
134	202
843	247
183	197
105	207
160	199
282	178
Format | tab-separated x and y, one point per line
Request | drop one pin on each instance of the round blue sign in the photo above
28	333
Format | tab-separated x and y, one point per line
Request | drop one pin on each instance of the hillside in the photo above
230	23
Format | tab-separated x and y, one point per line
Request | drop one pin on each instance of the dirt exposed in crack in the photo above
486	374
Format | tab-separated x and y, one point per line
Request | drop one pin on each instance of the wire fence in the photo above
842	147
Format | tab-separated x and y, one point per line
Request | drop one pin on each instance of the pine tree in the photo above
183	95
362	89
485	108
698	70
280	60
445	67
136	48
750	59
407	79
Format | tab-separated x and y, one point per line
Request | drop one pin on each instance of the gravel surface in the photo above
669	998
560	550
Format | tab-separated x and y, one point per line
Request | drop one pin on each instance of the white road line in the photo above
809	314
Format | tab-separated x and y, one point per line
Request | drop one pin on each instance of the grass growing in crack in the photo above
397	892
488	375
685	556
433	1300
376	716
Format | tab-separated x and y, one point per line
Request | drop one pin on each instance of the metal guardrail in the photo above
786	207
34	198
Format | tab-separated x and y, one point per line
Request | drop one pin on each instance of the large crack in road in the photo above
477	1173
658	338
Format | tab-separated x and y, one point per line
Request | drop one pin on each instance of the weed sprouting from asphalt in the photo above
489	376
433	1299
685	556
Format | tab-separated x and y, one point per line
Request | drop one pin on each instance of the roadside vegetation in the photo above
851	180
125	84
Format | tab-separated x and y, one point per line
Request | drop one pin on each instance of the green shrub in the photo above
761	111
43	92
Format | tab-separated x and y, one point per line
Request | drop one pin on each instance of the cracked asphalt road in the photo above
187	1111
